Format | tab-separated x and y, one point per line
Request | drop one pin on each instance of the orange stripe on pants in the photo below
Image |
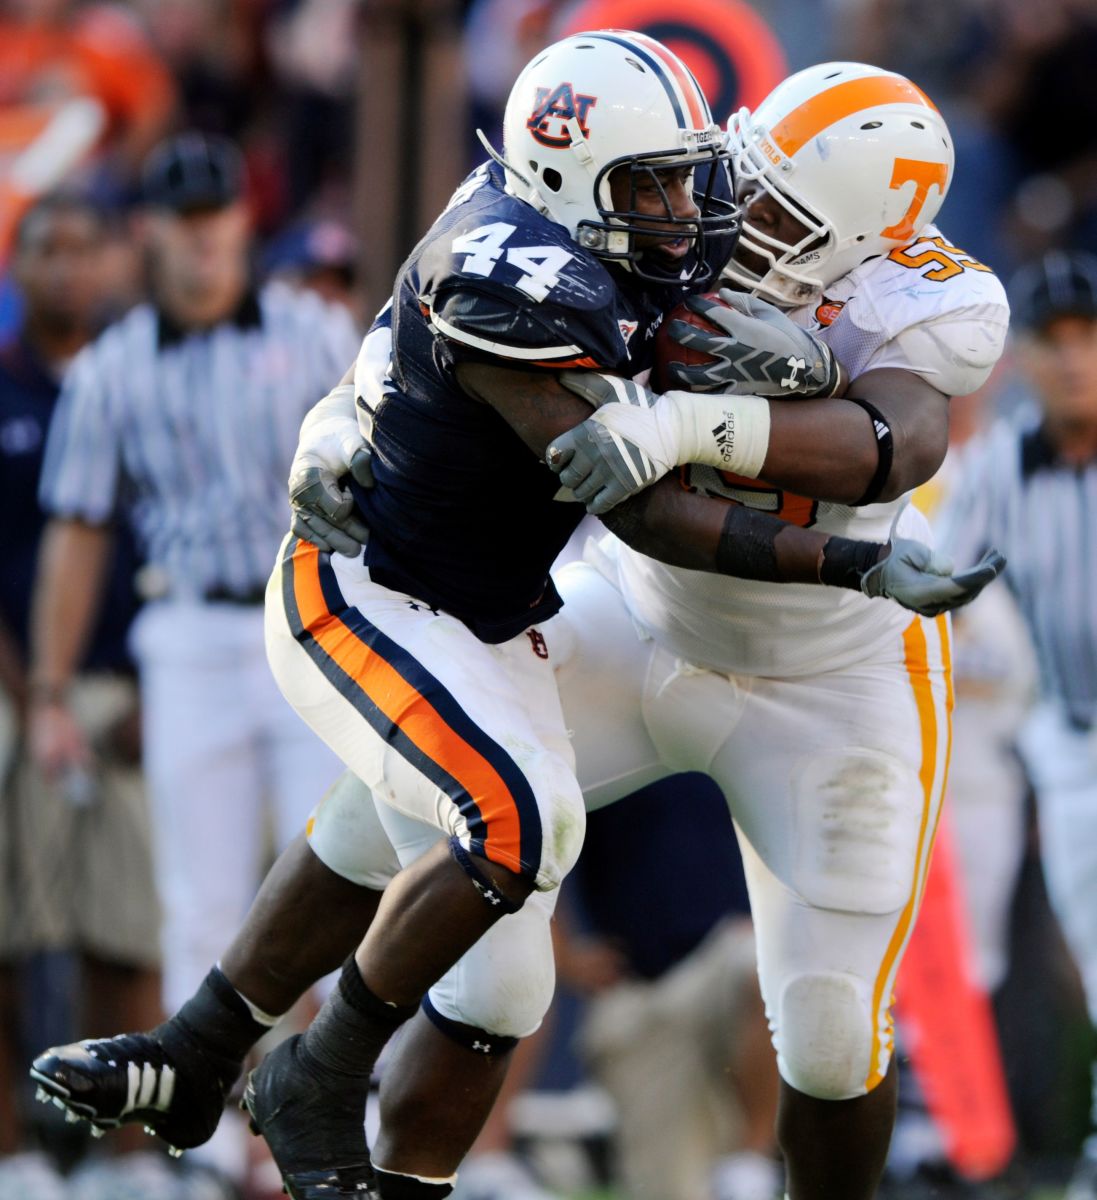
918	671
410	711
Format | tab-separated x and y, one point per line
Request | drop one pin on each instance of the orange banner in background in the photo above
947	1016
730	49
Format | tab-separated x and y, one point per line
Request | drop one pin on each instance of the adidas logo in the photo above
724	436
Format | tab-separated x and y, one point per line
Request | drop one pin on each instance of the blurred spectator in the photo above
207	48
681	1042
1031	489
1037	91
933	44
64	840
321	255
74	78
182	419
313	47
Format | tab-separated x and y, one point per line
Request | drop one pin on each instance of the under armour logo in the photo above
794	365
416	607
487	893
483	1047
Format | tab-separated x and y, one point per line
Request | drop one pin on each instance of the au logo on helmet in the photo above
553	109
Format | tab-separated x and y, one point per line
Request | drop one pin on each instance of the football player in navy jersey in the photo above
420	662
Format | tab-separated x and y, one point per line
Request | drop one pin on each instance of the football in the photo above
667	350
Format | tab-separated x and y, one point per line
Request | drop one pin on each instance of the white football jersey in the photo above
927	308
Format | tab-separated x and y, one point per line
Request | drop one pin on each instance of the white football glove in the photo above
331	447
636	437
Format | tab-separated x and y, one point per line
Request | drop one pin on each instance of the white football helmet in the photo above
602	100
859	156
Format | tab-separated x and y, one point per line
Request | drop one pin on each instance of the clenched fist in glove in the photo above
756	351
331	447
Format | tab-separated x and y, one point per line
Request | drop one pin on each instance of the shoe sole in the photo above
50	1091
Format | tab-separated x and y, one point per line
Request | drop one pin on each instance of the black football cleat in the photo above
315	1129
164	1080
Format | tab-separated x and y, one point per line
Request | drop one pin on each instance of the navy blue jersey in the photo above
463	514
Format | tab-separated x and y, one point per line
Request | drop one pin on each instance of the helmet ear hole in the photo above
552	178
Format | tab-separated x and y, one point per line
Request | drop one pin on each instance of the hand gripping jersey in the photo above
927	308
463	515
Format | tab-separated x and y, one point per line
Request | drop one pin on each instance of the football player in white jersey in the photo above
825	718
829	747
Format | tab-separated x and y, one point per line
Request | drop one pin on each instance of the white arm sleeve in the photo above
329	433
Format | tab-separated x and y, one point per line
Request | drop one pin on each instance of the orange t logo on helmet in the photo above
923	175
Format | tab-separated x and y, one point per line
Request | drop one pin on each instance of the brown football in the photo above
667	350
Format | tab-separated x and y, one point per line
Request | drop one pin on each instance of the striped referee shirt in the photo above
1016	494
190	435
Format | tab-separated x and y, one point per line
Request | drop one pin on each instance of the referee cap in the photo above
1061	284
193	171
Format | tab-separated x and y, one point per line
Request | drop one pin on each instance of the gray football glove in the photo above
924	581
323	507
601	467
759	353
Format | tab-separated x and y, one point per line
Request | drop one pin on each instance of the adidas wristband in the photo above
730	433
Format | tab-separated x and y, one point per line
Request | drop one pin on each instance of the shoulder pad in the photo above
928	279
502	281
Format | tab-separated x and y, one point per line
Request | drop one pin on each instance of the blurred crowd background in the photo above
356	120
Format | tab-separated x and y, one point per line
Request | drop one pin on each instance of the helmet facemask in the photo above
630	233
795	271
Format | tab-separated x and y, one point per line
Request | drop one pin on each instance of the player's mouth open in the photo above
678	248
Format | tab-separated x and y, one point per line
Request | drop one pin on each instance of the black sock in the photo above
350	1031
406	1187
217	1017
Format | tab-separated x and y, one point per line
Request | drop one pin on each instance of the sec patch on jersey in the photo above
669	352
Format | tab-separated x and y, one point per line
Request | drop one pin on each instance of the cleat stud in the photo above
41	1095
70	1117
57	1102
174	1152
96	1132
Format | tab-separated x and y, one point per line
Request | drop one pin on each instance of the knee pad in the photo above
504	984
824	1035
346	835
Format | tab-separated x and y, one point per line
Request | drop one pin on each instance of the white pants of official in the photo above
835	785
228	765
1062	764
